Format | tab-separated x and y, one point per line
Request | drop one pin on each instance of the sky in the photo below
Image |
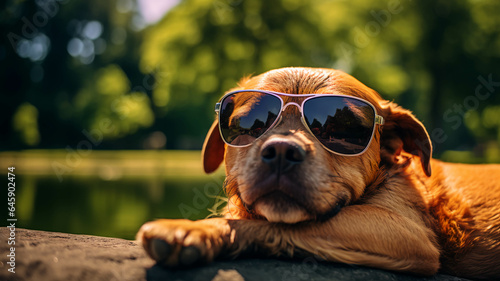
153	10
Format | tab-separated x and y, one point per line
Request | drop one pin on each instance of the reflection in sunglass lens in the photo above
245	116
342	124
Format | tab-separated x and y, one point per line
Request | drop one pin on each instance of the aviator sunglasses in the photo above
342	124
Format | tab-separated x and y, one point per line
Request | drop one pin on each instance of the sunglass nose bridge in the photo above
285	106
280	116
291	103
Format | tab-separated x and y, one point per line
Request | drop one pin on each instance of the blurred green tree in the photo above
70	70
66	66
428	56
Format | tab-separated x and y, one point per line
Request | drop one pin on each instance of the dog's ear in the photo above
402	131
213	149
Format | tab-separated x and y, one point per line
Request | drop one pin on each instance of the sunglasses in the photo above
342	124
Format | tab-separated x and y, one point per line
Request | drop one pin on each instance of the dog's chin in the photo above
277	207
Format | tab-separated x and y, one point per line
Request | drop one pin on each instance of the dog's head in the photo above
287	176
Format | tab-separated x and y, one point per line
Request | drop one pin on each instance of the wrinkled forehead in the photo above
310	81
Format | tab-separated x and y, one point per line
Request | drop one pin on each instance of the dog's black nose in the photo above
282	154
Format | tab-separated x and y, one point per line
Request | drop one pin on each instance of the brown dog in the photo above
290	195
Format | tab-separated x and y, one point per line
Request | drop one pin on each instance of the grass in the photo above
107	164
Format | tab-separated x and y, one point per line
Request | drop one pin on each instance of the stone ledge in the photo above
42	255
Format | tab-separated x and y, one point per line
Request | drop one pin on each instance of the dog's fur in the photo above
382	208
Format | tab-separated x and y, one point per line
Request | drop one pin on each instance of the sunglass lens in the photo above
245	116
343	125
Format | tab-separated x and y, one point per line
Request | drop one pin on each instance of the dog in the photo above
303	179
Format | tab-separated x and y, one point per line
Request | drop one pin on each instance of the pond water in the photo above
113	203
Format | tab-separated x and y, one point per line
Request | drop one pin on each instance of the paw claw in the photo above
189	255
160	250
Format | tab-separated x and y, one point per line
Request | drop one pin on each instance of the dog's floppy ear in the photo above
213	149
402	131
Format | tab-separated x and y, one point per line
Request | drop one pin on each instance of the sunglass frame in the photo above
377	119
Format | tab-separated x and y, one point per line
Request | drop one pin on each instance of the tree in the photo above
53	53
59	57
427	56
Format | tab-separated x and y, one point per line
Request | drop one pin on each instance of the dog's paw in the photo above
182	242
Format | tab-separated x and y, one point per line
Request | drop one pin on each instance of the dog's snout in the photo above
282	154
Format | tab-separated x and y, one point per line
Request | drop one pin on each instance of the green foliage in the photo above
108	100
112	81
425	56
26	124
429	56
71	61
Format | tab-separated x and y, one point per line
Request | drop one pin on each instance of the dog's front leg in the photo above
359	234
362	235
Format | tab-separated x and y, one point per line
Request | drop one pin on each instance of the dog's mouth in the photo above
286	198
279	207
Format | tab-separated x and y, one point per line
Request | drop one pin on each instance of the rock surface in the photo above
54	256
